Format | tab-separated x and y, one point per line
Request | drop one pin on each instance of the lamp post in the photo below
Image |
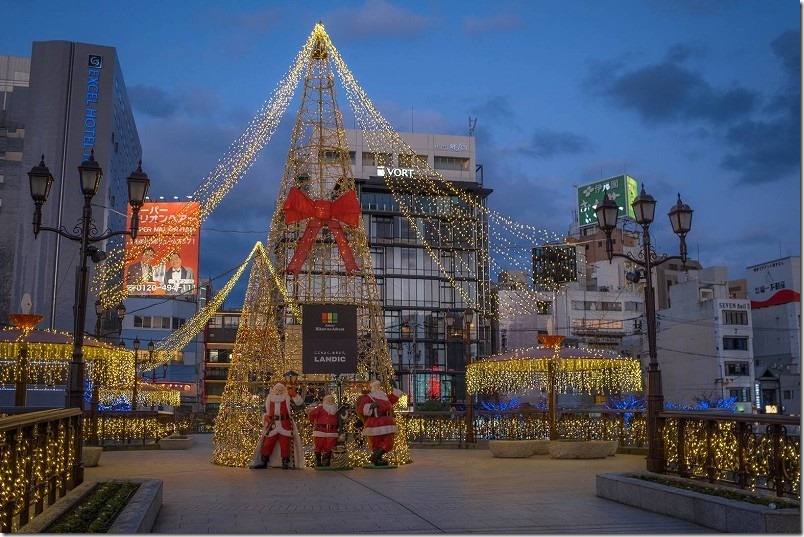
85	233
466	331
681	219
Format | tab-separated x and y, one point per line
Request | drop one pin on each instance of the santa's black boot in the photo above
318	459
376	457
285	463
263	464
327	458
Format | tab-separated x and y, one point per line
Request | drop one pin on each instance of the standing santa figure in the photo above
325	429
279	428
377	410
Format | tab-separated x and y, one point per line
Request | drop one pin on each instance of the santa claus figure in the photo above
325	429
377	409
279	428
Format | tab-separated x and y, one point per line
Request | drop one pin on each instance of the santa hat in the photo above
375	385
329	399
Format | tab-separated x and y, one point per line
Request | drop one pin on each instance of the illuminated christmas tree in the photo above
317	253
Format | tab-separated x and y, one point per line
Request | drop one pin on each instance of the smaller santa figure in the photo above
325	429
377	410
278	427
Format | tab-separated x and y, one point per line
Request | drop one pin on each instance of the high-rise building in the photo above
14	75
705	341
417	297
774	289
75	102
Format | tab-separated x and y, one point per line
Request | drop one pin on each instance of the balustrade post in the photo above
743	434
681	448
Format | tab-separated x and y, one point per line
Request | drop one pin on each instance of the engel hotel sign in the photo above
329	338
622	190
773	283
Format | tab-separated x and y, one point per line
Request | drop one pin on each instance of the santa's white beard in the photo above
376	394
276	398
330	409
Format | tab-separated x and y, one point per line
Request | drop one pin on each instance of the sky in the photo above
697	97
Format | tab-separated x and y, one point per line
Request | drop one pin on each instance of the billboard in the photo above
775	282
167	264
621	189
329	338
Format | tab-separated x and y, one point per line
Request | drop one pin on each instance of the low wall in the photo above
717	513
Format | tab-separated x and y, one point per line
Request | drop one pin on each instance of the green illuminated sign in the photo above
621	189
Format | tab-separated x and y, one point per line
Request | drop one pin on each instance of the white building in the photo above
775	292
705	342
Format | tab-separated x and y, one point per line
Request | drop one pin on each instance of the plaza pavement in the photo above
442	491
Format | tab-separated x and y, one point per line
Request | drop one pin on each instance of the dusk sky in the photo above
700	97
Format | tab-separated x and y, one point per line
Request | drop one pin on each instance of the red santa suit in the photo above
325	425
279	428
378	423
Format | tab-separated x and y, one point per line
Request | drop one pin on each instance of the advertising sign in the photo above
775	282
329	338
622	190
167	265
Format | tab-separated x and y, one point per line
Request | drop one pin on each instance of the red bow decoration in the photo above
344	209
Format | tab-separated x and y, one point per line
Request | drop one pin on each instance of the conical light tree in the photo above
317	253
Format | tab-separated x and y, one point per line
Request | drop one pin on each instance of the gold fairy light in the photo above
295	271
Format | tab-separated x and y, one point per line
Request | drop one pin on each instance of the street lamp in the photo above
85	233
681	219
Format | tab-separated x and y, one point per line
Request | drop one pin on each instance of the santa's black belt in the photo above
380	414
282	417
326	427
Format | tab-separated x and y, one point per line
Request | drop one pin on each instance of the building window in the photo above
412	161
384	227
456	164
544	306
735	343
407	259
787	395
736	369
377	159
741	395
735	317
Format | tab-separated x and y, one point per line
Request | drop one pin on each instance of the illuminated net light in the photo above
582	370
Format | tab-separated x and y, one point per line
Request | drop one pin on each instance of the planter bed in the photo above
582	449
138	516
518	448
177	442
715	512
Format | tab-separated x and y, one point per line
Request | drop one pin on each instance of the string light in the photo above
268	340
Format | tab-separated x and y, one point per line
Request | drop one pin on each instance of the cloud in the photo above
667	92
152	101
497	23
765	150
374	20
547	144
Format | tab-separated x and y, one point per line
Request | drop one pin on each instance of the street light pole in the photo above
681	219
85	234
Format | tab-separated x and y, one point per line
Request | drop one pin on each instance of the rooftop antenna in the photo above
472	125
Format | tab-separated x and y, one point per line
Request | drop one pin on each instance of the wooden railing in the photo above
40	462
